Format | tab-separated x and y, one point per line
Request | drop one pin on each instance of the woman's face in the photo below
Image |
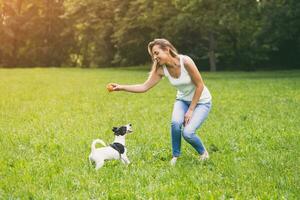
160	55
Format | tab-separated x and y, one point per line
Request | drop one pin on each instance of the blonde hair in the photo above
163	44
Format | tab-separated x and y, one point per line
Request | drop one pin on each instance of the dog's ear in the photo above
114	129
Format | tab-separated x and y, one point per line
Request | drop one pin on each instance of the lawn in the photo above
49	117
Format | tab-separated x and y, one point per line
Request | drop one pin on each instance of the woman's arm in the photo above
154	77
197	80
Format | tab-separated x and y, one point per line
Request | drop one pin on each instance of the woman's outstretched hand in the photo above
111	87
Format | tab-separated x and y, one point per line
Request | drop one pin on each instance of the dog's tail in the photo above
93	147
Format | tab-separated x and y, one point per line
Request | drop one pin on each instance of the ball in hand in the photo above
110	87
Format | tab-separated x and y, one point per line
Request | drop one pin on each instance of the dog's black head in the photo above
122	130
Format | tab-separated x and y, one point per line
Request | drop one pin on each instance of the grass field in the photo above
49	117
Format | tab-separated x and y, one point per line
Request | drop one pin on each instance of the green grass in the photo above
49	117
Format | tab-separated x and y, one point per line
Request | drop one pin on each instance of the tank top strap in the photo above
181	60
182	68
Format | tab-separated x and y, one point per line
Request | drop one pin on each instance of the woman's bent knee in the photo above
187	135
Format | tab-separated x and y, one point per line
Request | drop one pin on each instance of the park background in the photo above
218	35
57	56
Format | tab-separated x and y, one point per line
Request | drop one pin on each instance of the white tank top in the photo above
185	86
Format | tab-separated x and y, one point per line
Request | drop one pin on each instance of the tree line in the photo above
217	34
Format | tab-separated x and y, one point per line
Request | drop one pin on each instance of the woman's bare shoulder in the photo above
187	60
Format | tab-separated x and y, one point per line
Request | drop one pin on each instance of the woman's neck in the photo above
173	62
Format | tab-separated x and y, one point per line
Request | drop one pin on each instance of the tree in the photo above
143	21
32	33
280	32
92	23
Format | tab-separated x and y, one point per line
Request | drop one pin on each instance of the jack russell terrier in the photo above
116	150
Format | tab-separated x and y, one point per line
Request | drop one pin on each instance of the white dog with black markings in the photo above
117	150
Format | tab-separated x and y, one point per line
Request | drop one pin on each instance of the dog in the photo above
117	150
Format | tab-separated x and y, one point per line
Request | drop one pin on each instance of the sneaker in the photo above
173	161
204	156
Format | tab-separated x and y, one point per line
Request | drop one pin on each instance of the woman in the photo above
193	100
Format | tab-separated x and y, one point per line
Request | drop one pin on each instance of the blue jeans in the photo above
188	132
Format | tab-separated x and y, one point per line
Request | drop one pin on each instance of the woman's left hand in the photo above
187	117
